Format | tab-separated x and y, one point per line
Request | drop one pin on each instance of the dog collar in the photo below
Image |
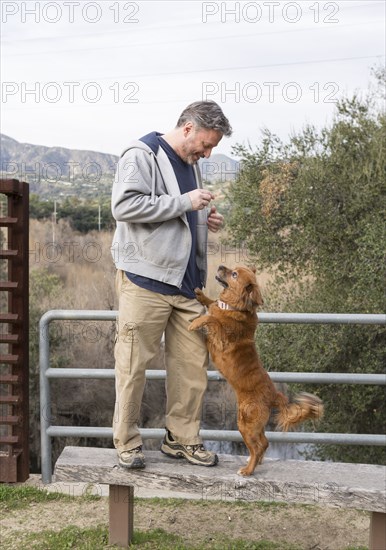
223	305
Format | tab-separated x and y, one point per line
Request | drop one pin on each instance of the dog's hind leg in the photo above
252	448
251	422
257	445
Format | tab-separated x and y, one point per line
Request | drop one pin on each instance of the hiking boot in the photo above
195	454
132	459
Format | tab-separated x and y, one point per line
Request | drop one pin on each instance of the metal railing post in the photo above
45	398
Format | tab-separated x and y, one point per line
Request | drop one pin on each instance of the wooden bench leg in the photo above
121	508
377	531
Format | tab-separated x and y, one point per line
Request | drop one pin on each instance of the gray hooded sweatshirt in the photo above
152	236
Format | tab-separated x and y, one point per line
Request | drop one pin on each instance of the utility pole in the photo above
54	223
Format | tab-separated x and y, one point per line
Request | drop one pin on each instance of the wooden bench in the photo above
360	486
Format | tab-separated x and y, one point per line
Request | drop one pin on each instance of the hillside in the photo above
55	172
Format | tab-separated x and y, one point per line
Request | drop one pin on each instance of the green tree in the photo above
40	209
83	214
312	210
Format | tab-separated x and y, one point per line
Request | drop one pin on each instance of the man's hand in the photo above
215	220
200	198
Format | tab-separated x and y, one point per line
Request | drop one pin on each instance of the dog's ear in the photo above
255	296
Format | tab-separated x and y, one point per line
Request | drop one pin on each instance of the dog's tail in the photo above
304	406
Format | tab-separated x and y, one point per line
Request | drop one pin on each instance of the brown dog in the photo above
230	327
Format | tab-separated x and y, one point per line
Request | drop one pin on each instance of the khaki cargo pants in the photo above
142	319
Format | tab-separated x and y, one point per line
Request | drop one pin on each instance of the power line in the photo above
82	106
163	26
234	68
188	40
217	69
180	73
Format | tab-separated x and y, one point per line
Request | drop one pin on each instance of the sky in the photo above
95	75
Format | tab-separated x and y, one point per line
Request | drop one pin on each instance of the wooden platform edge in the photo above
295	482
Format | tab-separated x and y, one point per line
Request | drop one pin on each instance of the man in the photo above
159	249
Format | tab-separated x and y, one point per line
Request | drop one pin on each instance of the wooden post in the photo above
121	508
377	531
14	376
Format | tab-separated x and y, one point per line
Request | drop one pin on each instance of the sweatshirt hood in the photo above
152	141
147	146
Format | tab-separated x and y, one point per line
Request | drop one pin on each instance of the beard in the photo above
189	156
191	159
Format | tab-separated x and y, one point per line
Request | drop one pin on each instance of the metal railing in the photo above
47	373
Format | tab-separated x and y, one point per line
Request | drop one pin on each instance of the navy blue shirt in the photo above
187	182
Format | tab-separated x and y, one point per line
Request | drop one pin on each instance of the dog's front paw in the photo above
202	298
199	295
194	325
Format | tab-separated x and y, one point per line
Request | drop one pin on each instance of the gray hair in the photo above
207	115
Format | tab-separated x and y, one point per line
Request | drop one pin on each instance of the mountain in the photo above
219	168
60	171
40	165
